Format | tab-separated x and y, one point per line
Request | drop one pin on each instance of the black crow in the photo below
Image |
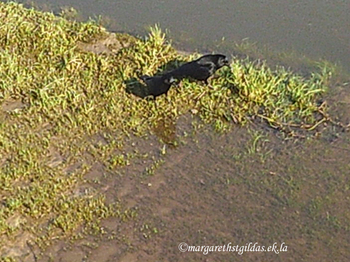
158	85
201	68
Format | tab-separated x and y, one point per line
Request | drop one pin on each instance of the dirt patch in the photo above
109	44
12	105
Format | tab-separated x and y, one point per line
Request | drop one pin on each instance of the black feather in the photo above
200	69
158	85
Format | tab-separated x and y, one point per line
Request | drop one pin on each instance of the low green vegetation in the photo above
64	108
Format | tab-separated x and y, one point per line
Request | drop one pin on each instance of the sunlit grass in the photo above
68	97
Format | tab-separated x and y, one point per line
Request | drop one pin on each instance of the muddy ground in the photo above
245	186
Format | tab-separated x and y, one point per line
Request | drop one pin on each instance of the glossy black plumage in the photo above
202	68
158	85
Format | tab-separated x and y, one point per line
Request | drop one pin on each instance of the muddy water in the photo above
243	187
315	28
228	189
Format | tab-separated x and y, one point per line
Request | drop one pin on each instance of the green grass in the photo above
67	98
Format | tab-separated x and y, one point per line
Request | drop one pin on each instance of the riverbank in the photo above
67	120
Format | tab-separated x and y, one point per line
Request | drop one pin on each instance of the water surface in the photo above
318	29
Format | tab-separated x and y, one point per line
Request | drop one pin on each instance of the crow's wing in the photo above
145	78
205	62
